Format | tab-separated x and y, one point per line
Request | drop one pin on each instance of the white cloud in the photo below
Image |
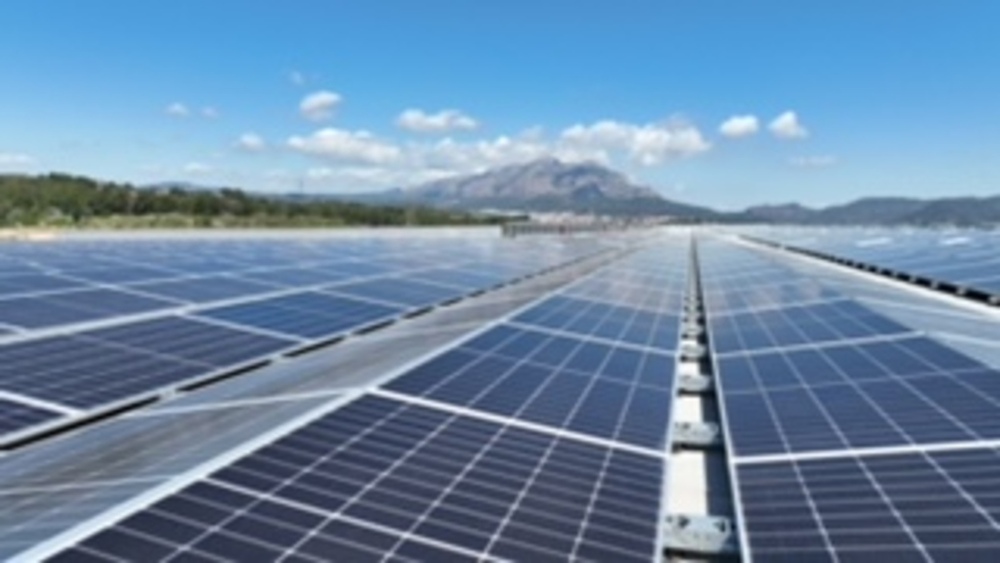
251	142
419	121
346	146
355	159
319	106
197	168
178	109
787	126
13	159
209	112
648	145
814	161
739	126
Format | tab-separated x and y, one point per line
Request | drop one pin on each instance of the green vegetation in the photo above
61	200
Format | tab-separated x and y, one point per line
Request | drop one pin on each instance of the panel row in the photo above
379	480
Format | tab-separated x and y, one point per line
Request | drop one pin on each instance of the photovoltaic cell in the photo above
907	391
16	416
938	506
84	373
459	278
28	283
306	314
119	273
806	324
611	392
381	480
191	340
404	291
593	318
211	288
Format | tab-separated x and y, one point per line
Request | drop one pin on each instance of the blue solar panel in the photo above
206	289
297	277
603	320
307	314
794	325
380	480
907	391
405	291
40	312
74	307
29	283
597	389
459	278
938	506
191	340
85	373
16	416
119	273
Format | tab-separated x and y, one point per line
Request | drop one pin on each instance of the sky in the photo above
712	102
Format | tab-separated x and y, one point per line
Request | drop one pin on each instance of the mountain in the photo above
784	213
964	211
545	185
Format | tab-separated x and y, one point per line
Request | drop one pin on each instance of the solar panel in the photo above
404	291
804	324
297	277
626	324
83	373
40	312
305	314
119	273
455	277
191	340
907	391
381	480
16	416
206	289
593	388
31	283
922	506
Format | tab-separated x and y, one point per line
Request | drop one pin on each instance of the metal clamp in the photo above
708	535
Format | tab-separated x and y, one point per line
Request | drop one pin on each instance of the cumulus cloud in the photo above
13	159
346	146
197	168
319	106
354	159
178	109
739	126
787	126
648	145
419	121
814	161
251	142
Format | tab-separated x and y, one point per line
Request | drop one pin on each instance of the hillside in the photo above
60	200
888	211
546	185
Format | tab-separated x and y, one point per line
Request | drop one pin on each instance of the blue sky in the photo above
712	101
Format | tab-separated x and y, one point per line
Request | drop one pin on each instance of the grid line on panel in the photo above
606	404
926	506
879	394
433	476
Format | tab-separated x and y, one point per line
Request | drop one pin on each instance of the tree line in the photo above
63	200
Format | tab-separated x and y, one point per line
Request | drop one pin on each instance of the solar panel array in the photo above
963	258
542	435
89	325
523	442
851	437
